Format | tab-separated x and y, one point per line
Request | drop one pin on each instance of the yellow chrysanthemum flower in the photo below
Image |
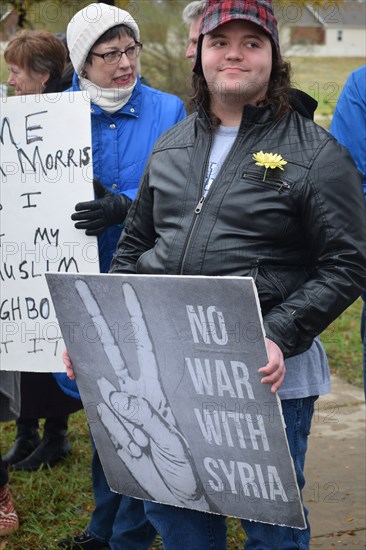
269	160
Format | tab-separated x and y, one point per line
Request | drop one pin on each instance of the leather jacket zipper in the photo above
197	212
278	184
197	209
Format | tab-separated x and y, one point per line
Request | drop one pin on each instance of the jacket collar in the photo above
132	107
252	114
300	102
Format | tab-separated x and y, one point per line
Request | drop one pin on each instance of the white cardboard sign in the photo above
45	169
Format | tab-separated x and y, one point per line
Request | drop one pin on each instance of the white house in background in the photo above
328	30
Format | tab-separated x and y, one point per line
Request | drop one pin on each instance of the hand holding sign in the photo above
149	442
274	371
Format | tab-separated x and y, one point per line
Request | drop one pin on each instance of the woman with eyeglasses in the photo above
126	118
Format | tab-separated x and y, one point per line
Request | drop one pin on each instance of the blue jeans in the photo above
183	529
261	536
117	519
363	340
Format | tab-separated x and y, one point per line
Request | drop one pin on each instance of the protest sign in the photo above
45	169
167	368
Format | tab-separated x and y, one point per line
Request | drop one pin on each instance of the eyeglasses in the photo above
112	58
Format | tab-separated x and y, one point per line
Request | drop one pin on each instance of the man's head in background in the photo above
192	16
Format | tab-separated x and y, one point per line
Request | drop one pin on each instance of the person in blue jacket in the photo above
127	117
348	126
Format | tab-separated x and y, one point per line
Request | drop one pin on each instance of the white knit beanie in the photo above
89	24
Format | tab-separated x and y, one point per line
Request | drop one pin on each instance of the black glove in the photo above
106	210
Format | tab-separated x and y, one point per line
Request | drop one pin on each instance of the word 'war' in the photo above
217	378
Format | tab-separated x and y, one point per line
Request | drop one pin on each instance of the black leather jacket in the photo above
301	233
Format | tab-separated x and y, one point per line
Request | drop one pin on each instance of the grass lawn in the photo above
342	343
323	78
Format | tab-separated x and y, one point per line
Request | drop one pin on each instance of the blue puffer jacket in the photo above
348	124
121	145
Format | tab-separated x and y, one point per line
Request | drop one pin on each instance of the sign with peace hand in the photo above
170	371
151	447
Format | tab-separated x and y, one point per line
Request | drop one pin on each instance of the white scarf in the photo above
108	99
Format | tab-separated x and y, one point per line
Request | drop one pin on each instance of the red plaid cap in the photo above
218	12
